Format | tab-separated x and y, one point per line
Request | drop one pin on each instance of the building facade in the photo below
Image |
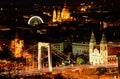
17	46
61	15
98	55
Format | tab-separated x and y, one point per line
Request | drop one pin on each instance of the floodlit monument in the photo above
97	56
59	16
17	46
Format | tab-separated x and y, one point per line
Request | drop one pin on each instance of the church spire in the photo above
103	40
104	48
92	45
92	40
65	4
54	15
58	15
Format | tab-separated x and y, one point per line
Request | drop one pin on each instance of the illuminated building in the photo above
54	16
58	47
97	56
65	14
79	48
91	47
59	16
17	46
104	49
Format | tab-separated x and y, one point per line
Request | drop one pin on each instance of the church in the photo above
61	15
99	54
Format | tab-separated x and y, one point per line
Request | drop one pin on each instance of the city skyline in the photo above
51	37
15	19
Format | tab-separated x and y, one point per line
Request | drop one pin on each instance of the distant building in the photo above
17	46
98	55
101	54
57	47
61	15
79	48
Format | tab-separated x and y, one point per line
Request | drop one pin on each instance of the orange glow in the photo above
16	46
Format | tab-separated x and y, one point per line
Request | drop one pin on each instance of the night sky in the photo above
71	3
41	2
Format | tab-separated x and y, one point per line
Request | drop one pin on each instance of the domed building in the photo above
61	15
65	14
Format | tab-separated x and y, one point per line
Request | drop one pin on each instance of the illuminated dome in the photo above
65	14
61	15
35	20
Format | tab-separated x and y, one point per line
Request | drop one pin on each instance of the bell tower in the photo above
54	16
92	44
58	15
104	48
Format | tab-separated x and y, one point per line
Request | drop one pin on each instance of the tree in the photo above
80	60
6	53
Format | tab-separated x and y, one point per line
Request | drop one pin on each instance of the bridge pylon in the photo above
48	46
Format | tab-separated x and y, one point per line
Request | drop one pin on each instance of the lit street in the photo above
56	69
